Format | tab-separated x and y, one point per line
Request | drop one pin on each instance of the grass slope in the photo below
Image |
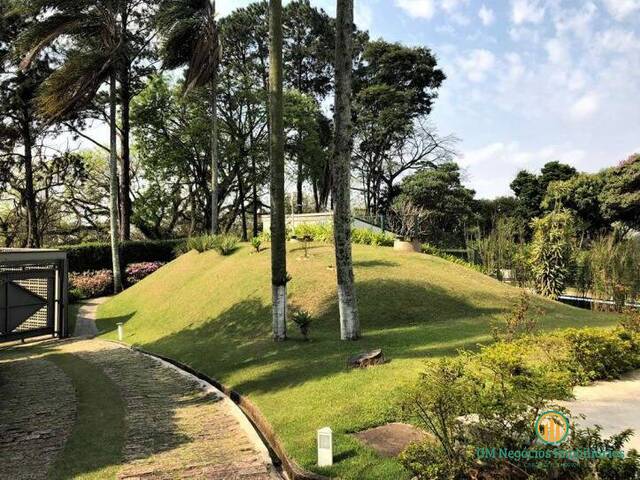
213	313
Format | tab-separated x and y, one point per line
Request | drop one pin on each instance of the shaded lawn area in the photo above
94	449
213	313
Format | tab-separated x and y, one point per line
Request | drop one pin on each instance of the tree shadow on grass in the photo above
110	324
375	263
406	319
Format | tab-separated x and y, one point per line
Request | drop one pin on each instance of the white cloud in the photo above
618	40
558	51
450	6
417	8
486	15
515	67
523	11
576	81
585	107
512	153
363	15
620	9
578	22
476	64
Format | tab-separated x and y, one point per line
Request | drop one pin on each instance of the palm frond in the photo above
191	39
73	85
42	34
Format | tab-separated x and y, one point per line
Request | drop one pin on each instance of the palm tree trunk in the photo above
276	134
33	240
299	185
254	194
349	321
125	154
113	187
125	105
214	154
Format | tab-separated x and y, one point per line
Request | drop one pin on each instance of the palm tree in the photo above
92	56
191	39
349	321
276	152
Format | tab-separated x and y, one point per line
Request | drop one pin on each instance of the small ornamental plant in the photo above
302	319
256	242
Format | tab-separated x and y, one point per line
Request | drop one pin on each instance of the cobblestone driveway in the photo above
176	427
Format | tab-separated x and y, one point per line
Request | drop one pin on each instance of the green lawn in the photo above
213	313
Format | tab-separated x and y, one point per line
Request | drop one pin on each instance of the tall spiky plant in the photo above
191	38
91	56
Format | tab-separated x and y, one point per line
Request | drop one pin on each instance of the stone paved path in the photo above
615	406
176	426
33	429
86	318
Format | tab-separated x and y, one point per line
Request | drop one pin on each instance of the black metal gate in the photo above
32	294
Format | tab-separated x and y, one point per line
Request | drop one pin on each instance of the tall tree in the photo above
19	126
349	321
92	42
276	133
620	197
191	39
394	90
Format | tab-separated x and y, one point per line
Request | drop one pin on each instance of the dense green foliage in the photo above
449	206
97	256
621	194
324	233
493	398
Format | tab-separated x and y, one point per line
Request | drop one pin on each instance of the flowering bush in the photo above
137	271
91	284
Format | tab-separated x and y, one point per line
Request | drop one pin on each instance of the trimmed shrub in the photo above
599	354
86	257
324	233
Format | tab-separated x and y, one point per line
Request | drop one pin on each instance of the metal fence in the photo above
33	293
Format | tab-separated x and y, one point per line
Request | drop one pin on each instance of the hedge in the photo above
97	255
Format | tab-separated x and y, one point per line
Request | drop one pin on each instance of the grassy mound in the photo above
213	313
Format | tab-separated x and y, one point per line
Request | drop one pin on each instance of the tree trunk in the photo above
316	199
125	155
113	187
243	208
299	183
254	194
349	321
33	239
276	144
214	154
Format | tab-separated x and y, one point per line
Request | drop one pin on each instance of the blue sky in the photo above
528	81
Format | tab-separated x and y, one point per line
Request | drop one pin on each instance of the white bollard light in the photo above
120	331
325	447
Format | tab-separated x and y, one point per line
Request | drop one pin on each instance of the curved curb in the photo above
255	416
